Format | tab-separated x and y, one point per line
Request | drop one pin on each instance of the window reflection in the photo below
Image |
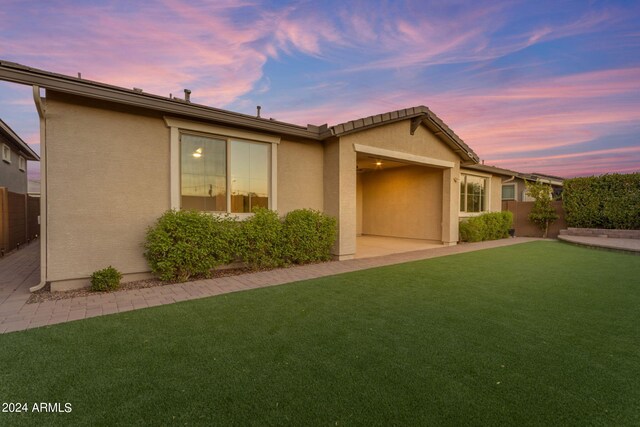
204	173
472	193
249	176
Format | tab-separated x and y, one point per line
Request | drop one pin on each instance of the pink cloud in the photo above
166	49
506	124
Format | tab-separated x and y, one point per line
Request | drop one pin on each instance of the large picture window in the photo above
223	175
473	193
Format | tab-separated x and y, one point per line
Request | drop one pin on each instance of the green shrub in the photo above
607	201
488	226
183	244
308	236
107	279
260	240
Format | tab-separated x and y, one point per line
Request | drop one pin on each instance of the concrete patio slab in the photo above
374	246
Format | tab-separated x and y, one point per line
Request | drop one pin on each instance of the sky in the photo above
535	86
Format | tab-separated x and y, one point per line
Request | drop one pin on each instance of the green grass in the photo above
534	334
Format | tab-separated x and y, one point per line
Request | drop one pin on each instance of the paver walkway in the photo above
16	315
19	271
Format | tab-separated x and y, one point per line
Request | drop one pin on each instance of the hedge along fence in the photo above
607	201
184	244
488	226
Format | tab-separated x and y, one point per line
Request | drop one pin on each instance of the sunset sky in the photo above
535	86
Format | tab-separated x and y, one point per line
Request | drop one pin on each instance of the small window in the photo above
473	193
6	153
509	192
22	164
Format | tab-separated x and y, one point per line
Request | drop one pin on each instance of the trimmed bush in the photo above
107	279
260	240
607	201
308	236
488	226
184	244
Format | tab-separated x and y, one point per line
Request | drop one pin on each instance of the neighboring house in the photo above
115	159
18	212
513	183
15	153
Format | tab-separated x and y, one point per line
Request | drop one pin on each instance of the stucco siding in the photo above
340	194
300	176
495	204
107	181
403	202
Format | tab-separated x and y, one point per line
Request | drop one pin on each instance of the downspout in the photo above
43	189
510	179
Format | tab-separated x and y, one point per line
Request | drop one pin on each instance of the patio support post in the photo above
340	195
450	196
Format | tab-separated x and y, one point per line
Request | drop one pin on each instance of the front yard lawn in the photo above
542	333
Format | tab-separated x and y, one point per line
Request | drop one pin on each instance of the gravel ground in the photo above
45	293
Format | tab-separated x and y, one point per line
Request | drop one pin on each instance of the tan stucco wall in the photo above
495	204
340	194
359	210
300	176
396	136
403	202
107	181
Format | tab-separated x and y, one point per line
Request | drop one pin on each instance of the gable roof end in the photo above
428	118
24	149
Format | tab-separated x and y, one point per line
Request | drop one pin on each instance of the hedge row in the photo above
607	201
184	244
488	226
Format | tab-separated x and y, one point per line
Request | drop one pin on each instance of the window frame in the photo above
487	202
178	127
515	191
6	153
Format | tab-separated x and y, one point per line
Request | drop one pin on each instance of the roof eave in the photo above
29	76
27	151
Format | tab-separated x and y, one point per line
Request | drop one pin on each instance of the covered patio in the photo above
373	246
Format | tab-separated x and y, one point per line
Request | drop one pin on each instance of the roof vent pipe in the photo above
258	108
187	95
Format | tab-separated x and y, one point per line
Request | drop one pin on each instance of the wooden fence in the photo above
524	227
18	220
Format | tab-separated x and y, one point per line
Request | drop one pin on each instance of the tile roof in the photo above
429	118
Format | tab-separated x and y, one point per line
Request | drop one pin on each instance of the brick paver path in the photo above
19	270
16	315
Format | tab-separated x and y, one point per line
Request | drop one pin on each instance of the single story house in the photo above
115	159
